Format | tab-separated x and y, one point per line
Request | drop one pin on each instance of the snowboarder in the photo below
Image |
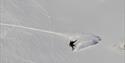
71	44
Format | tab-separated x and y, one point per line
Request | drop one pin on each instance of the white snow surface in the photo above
104	18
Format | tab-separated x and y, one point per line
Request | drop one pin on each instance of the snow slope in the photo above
104	18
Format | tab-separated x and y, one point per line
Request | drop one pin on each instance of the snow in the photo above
101	18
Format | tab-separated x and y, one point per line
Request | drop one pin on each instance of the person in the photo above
71	44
